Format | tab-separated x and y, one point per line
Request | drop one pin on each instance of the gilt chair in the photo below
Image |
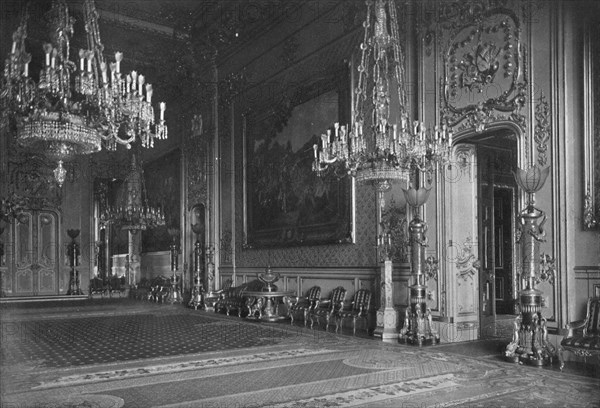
359	309
328	308
305	304
583	338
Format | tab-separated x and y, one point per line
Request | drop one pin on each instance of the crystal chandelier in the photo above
373	148
133	213
76	108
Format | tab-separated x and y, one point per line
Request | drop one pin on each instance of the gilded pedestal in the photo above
530	335
387	316
418	328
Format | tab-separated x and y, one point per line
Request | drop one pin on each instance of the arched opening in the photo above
496	157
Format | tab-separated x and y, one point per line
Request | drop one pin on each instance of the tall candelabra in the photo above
418	328
174	290
530	335
197	288
73	256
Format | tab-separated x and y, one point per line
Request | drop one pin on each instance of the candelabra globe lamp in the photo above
530	337
418	328
75	108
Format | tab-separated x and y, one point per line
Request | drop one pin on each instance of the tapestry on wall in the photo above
287	203
162	178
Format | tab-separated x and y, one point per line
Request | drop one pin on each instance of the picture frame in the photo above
286	203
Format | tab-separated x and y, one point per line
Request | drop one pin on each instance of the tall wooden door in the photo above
32	258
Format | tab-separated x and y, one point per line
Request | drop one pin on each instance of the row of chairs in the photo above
312	307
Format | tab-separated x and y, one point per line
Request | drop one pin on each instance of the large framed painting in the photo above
286	202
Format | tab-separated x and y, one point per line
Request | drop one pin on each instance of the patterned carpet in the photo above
138	354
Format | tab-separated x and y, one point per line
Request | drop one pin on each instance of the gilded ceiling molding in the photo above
542	129
484	80
231	86
289	52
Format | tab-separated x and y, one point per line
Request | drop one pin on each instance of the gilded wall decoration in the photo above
484	79
467	262
467	265
31	179
591	93
543	129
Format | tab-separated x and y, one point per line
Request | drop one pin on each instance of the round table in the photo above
266	304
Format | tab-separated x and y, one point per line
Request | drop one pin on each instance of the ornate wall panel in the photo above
484	59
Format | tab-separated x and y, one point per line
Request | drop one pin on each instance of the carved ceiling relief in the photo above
484	80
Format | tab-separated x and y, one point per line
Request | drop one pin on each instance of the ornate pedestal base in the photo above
265	305
418	327
74	284
386	324
387	316
174	292
530	343
196	298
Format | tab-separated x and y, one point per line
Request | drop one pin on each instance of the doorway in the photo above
30	266
497	192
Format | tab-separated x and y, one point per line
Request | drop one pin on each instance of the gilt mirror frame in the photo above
591	134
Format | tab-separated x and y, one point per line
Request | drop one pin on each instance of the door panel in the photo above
503	210
32	266
24	254
47	249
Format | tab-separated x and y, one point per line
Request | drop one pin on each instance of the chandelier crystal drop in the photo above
76	106
373	148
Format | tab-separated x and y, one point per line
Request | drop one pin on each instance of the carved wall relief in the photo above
483	65
543	129
467	266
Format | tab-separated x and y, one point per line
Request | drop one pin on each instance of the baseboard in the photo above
16	299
